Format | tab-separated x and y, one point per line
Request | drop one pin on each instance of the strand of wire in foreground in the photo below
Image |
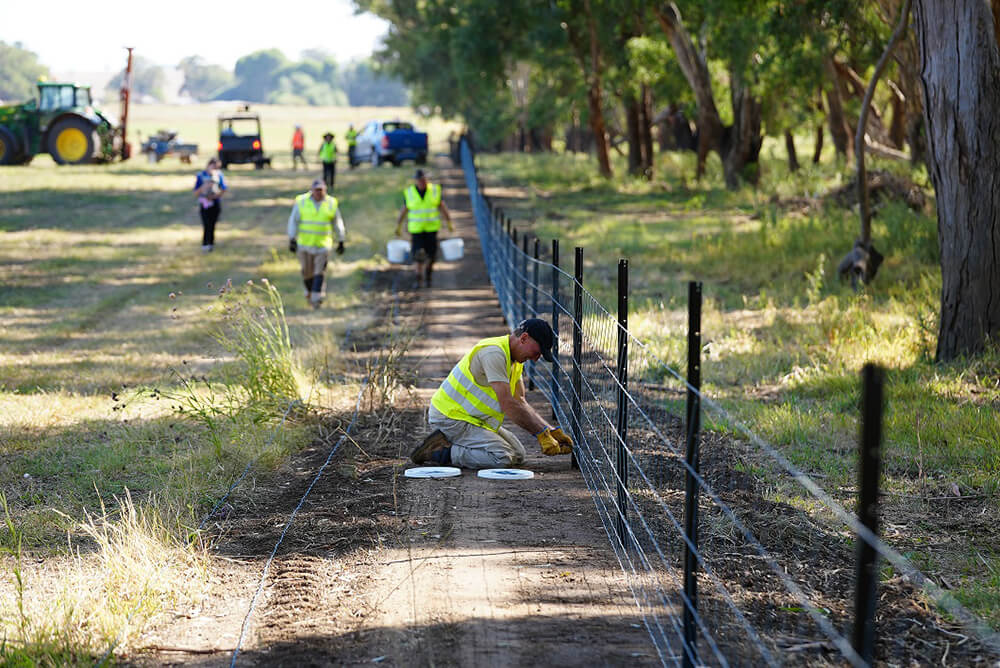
128	619
291	518
250	464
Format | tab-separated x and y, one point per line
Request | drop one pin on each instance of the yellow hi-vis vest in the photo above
422	214
460	397
316	221
328	152
352	137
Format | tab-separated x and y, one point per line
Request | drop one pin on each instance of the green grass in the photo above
784	339
111	322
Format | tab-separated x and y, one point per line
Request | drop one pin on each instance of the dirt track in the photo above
385	569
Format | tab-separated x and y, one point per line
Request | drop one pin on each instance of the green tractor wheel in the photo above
73	141
9	152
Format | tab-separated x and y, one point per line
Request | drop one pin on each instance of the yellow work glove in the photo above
550	444
564	441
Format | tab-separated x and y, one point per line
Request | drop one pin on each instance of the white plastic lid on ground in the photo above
432	472
506	474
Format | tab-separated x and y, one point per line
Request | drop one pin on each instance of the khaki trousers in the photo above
313	267
474	447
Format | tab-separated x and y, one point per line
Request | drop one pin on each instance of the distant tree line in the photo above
19	71
265	76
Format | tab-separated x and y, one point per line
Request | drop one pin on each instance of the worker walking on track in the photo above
315	215
328	156
423	208
298	146
352	144
485	387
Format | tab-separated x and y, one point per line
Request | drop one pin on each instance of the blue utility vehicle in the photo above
390	141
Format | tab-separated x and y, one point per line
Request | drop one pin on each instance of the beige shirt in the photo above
489	365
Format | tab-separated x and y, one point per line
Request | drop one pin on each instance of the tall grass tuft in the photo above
131	568
254	329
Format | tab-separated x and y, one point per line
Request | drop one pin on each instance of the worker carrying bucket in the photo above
468	411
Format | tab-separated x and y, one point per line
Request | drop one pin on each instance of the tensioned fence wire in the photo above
775	580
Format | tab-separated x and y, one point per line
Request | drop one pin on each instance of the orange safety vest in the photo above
298	140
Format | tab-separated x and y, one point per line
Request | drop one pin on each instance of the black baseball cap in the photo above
419	174
542	333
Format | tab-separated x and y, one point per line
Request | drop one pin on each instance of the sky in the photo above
220	31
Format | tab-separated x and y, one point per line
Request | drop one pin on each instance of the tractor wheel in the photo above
73	141
422	159
9	153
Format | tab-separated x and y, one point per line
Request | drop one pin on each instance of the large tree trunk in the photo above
632	134
897	129
838	124
961	80
594	96
646	130
741	147
793	157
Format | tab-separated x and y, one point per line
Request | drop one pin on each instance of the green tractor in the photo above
63	123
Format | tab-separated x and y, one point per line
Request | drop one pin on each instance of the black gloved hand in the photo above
340	248
293	245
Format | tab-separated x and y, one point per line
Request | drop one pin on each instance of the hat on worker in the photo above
419	174
328	134
317	183
542	333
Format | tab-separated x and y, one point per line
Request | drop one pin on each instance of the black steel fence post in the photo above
577	351
514	279
534	308
524	277
555	329
870	465
534	279
621	421
691	484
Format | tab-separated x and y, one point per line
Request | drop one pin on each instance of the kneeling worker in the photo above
484	388
310	236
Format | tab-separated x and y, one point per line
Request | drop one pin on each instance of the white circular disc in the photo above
432	472
506	474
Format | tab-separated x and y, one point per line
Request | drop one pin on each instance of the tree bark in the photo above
961	80
897	129
594	97
818	146
741	143
835	116
646	130
632	133
793	158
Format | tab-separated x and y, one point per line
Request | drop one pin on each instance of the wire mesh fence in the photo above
723	570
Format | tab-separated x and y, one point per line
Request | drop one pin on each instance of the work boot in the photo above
435	448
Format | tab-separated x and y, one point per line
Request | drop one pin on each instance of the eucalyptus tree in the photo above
960	70
736	34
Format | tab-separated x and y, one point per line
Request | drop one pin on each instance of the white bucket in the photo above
398	251
452	249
